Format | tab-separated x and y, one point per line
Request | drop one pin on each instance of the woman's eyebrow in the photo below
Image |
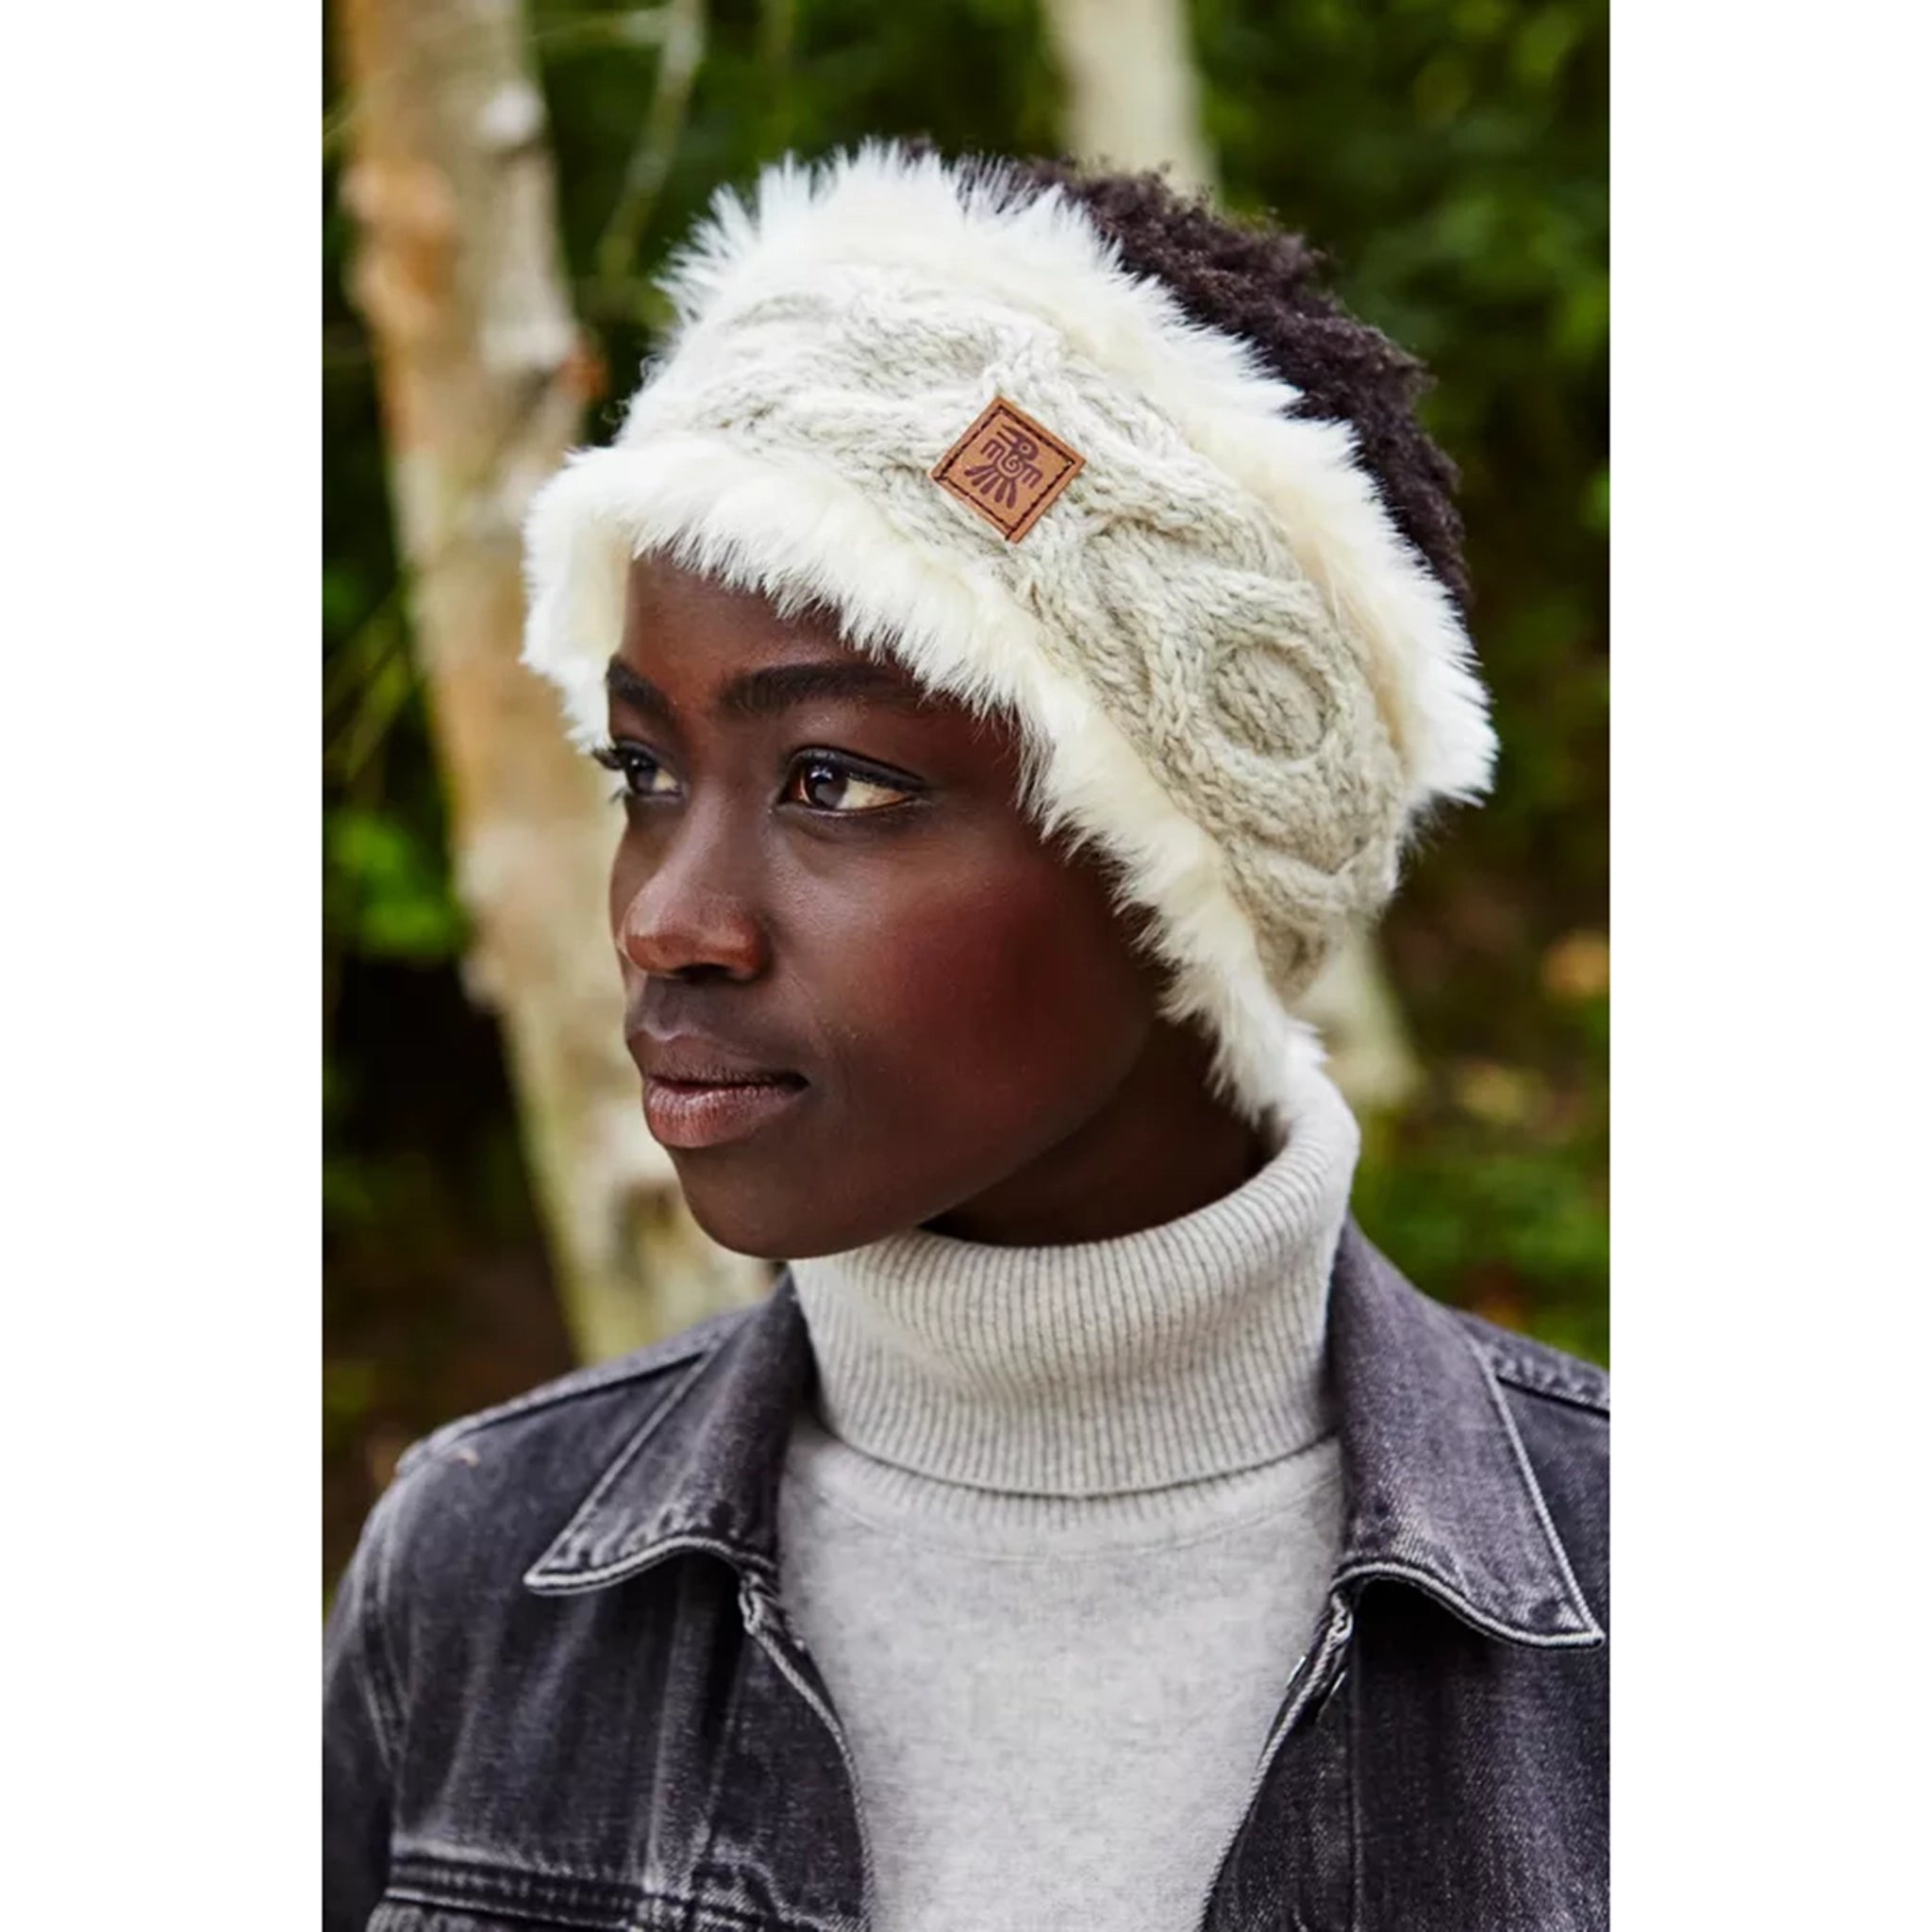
623	684
771	692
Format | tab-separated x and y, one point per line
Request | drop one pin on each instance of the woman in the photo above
1023	618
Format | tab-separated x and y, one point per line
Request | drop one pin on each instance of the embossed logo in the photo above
1008	469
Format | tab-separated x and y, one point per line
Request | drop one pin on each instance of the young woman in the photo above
1023	616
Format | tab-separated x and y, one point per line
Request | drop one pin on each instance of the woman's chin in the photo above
769	1218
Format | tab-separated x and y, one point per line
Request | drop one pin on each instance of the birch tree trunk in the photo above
1133	101
1133	94
482	381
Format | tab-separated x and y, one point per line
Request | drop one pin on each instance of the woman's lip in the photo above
692	1114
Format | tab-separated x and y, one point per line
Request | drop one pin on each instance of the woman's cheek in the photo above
1025	971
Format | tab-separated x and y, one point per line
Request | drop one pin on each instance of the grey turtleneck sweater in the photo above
1056	1537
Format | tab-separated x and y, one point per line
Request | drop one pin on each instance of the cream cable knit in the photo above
1232	673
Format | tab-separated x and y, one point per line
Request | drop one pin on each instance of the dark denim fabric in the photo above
560	1691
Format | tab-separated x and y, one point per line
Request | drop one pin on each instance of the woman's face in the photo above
863	994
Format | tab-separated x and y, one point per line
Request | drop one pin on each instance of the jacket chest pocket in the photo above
409	1915
466	1899
414	1915
427	1892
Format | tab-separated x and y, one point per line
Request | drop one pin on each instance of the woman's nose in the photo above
687	918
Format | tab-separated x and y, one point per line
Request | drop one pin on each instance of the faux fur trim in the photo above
718	510
799	532
955	225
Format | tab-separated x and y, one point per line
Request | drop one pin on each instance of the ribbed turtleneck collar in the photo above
1190	1350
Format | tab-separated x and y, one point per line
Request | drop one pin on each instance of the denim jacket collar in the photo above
1442	1496
703	1471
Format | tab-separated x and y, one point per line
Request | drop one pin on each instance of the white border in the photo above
159	1245
1770	1271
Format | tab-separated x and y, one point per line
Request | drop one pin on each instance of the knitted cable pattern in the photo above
1229	673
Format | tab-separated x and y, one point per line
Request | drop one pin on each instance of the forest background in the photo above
1451	157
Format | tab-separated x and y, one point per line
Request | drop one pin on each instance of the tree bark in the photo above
1133	93
1133	101
483	378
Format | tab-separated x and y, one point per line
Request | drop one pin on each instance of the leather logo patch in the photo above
1008	469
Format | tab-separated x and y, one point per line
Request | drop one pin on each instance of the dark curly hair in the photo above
1267	286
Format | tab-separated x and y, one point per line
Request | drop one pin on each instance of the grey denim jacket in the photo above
561	1690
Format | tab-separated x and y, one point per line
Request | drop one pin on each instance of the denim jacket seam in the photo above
1352	1717
1592	1629
585	1383
380	1676
687	1902
1579	1384
718	1910
574	1582
714	1810
460	1860
1596	1406
441	1875
1435	1584
410	1892
619	1465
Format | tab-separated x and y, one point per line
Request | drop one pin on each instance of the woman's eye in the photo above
643	776
828	784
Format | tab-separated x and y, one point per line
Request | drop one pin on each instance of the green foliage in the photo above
392	887
1451	156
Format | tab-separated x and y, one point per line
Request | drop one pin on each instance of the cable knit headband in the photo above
948	413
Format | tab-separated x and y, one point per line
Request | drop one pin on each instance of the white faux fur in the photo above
800	535
1046	257
725	513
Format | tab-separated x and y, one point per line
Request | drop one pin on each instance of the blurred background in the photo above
501	179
